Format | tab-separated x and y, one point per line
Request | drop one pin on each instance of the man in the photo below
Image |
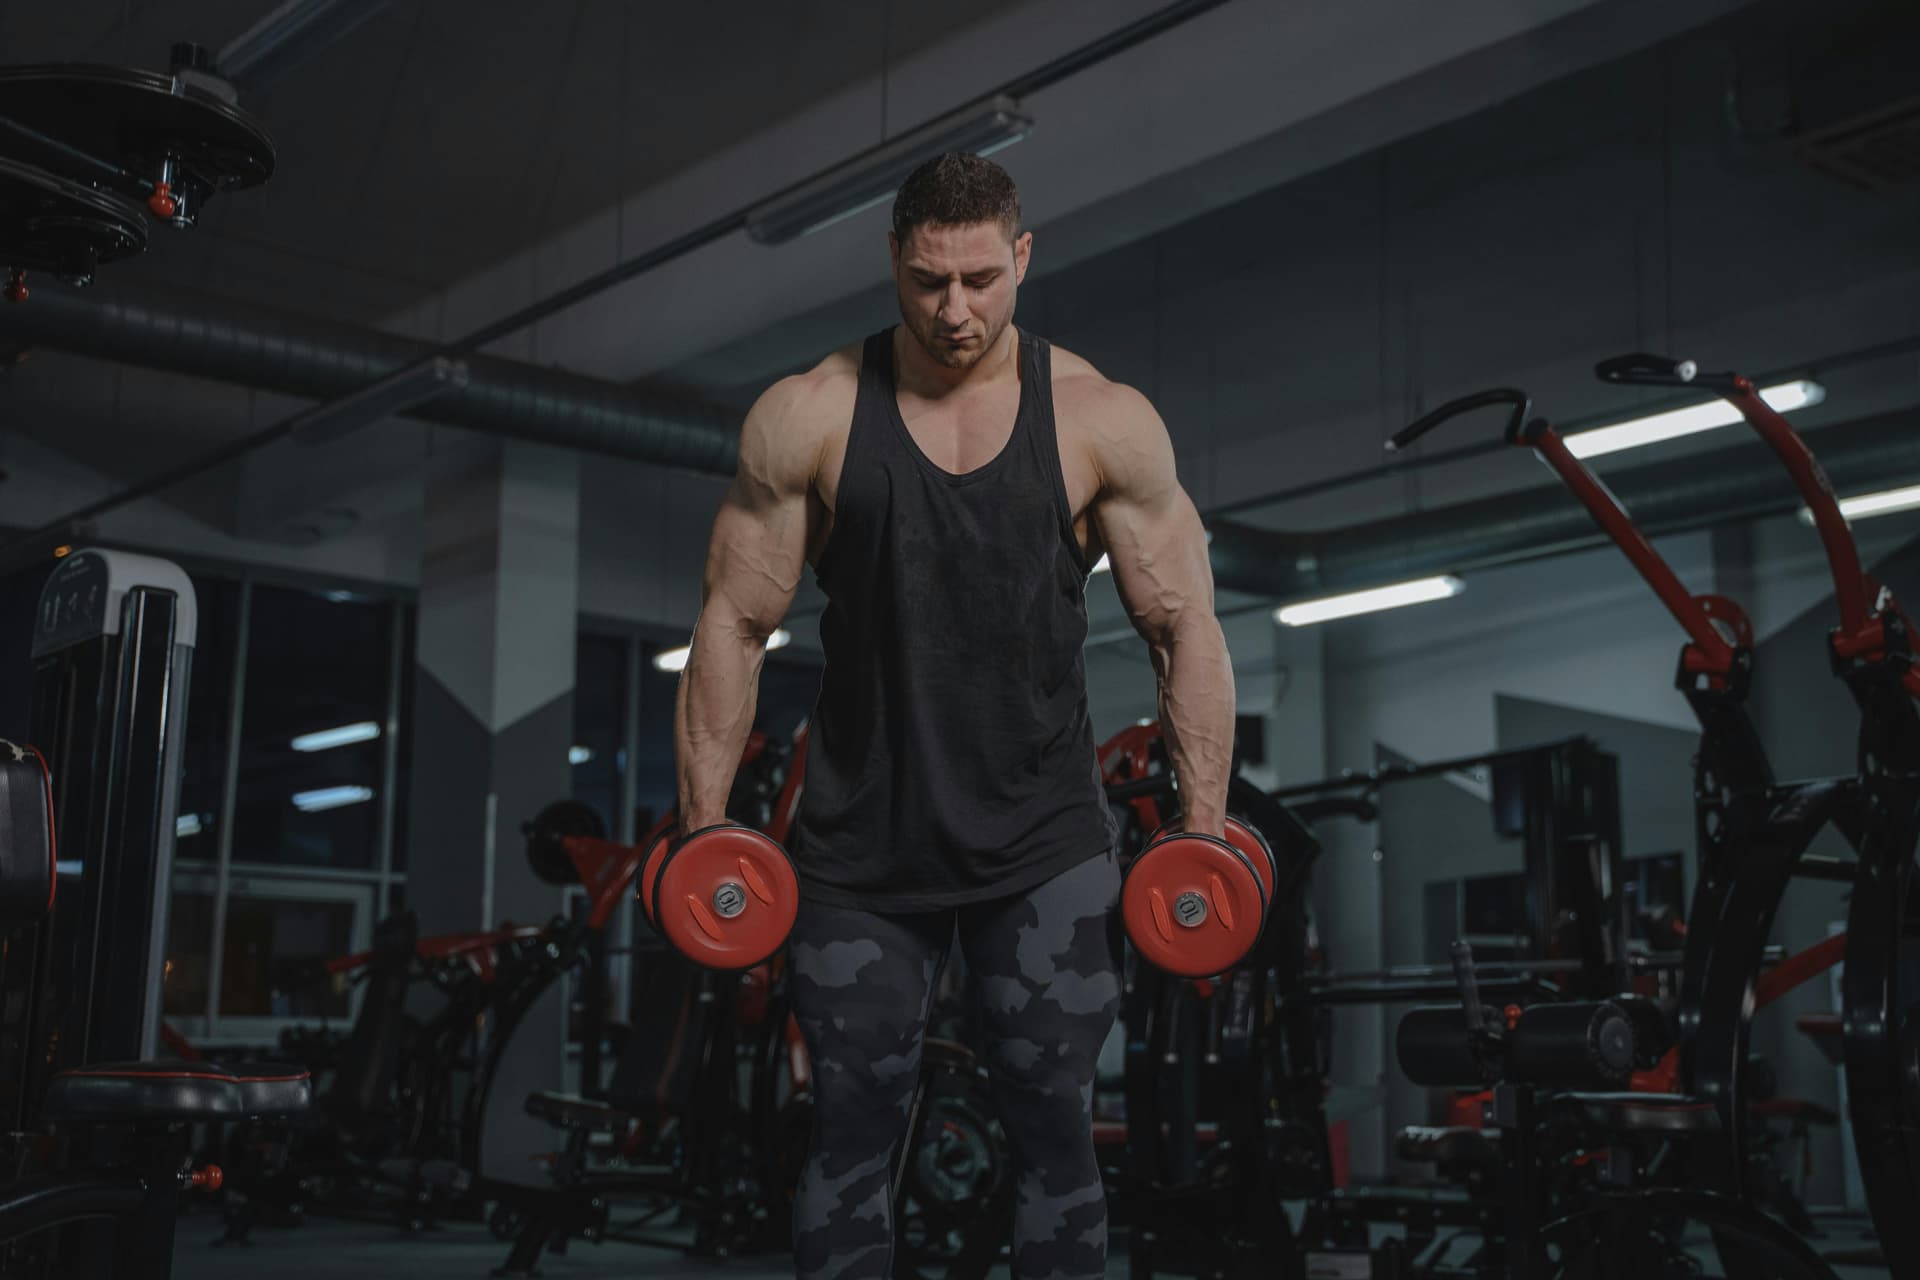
952	481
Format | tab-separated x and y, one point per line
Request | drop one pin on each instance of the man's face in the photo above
957	286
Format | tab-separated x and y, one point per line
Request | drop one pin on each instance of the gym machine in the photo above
96	1127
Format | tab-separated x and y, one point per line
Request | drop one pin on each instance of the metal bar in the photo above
1394	992
1817	867
281	871
390	753
377	392
229	788
1380	777
1843	558
429	381
619	273
1118	41
1626	535
627	822
292	33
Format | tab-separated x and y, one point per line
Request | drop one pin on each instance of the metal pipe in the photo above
288	36
229	800
673	437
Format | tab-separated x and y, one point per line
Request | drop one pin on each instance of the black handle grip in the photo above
1639	369
1465	404
1154	784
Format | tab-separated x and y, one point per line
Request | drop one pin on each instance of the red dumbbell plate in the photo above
726	897
1193	905
1249	842
650	869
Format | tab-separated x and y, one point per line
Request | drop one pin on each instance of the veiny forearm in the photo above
713	714
1196	717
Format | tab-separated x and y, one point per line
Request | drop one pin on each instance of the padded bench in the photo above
175	1090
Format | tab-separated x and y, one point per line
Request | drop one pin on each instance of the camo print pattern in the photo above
1044	981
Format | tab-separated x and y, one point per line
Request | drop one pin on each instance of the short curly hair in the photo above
957	189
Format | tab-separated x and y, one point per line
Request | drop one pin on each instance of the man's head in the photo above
958	255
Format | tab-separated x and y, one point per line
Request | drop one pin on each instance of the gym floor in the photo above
327	1250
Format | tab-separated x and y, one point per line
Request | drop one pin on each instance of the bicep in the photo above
1155	544
758	549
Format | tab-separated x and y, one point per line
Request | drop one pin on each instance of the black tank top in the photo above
950	757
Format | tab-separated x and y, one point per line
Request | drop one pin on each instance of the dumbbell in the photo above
725	896
1194	904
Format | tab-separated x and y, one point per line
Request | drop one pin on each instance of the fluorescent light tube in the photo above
1419	591
330	798
874	175
343	735
1783	397
676	659
1881	503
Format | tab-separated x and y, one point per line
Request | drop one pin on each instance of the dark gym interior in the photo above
376	382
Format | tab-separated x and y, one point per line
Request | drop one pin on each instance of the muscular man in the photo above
952	481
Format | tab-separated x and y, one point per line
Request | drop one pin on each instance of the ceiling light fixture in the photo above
342	736
676	659
874	175
330	798
1419	591
1784	397
1865	505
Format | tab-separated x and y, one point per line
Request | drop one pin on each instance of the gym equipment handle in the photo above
1466	404
1843	558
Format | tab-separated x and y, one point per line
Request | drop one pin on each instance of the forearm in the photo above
713	714
1196	719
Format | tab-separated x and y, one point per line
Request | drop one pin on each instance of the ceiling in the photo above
440	135
1290	226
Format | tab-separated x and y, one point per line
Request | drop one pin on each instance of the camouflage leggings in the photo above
1045	982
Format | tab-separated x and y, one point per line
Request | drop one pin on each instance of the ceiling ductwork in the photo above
305	357
302	356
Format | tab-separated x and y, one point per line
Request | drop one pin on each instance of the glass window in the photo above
656	789
203	758
310	745
19	602
269	947
599	710
402	745
188	969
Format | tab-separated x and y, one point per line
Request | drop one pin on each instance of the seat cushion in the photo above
568	1111
269	1089
1645	1112
170	1089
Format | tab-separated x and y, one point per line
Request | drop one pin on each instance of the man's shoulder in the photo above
1086	399
818	395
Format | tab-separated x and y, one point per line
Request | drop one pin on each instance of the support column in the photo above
492	722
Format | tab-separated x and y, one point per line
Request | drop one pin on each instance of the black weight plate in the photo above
136	119
50	224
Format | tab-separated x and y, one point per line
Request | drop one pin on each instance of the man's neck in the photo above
921	374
